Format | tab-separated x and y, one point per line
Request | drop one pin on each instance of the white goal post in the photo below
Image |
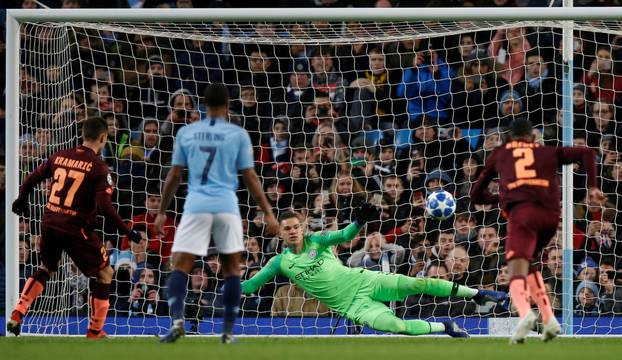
447	21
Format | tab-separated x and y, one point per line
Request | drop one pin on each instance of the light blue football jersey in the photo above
214	151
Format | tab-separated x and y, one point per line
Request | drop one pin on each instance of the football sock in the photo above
232	291
99	306
434	287
539	295
33	288
177	285
520	295
393	324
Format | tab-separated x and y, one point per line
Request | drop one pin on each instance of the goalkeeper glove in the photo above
365	213
135	236
19	207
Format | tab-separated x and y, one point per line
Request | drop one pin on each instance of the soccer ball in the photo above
440	204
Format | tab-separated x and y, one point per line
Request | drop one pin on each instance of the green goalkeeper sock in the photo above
434	287
392	324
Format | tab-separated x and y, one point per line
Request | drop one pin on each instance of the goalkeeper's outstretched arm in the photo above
263	276
364	213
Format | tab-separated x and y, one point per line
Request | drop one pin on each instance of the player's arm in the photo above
103	191
173	179
264	275
41	173
249	176
362	215
171	185
583	155
479	192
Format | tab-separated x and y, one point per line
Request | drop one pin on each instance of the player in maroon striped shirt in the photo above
80	189
529	196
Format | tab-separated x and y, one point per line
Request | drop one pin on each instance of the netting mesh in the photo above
338	114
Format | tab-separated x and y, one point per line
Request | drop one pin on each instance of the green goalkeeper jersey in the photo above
316	269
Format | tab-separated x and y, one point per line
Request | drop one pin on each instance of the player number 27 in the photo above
211	154
60	176
524	159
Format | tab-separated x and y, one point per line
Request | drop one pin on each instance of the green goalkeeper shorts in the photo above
367	303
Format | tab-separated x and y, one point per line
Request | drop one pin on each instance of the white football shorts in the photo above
195	231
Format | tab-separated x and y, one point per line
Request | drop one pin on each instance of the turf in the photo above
48	348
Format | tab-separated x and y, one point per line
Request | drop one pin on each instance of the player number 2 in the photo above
60	176
524	159
211	154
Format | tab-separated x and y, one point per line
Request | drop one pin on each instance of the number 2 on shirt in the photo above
524	159
211	154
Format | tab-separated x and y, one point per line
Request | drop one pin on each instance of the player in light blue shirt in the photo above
213	151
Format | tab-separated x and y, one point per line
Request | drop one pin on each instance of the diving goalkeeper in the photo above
355	293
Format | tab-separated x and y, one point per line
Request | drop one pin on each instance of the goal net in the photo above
339	113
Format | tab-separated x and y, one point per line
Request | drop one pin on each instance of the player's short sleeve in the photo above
179	154
102	178
245	152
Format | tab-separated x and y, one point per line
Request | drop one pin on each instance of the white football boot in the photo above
523	328
550	330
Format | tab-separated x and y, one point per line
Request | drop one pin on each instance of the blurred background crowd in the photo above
332	126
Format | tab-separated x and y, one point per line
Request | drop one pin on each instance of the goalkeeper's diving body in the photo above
356	293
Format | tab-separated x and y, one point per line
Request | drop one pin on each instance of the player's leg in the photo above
91	258
227	232
191	240
520	246
99	301
536	284
232	292
378	316
51	251
32	289
395	287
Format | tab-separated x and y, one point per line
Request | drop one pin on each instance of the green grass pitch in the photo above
383	348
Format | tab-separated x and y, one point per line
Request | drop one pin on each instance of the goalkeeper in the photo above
355	293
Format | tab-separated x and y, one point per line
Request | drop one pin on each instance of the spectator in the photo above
325	77
602	122
277	150
298	95
183	111
145	297
200	63
602	83
158	245
587	270
426	87
554	274
118	140
465	225
467	175
303	175
457	263
587	301
347	195
508	47
254	114
374	101
438	179
502	281
540	90
486	256
345	250
292	301
154	93
202	299
511	105
377	255
444	243
611	294
254	255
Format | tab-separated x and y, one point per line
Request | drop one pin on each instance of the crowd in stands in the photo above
332	126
